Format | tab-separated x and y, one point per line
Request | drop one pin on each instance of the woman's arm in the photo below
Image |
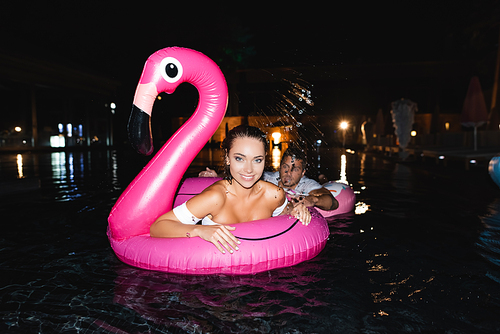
169	225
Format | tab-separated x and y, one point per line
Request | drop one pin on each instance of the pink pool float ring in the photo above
265	244
343	194
494	169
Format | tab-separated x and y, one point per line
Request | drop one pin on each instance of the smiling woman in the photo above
245	163
241	196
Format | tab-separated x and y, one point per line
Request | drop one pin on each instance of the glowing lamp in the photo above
276	137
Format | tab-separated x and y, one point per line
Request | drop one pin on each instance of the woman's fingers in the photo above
221	237
227	239
302	213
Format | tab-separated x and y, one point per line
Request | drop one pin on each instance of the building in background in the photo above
50	104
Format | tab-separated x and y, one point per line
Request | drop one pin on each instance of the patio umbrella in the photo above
474	112
403	116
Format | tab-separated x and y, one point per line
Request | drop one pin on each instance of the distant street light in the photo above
17	129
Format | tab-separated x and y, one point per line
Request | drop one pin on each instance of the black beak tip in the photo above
144	148
139	131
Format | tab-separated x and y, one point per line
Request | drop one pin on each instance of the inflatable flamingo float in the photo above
265	244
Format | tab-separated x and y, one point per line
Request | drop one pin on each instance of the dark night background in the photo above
112	36
115	38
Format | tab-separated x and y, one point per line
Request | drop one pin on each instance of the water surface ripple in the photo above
424	257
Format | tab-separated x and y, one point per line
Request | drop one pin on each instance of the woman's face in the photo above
246	160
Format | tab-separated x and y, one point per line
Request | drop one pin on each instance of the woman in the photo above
240	196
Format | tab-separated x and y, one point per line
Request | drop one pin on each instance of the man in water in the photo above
291	177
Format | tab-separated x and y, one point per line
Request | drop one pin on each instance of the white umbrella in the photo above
403	115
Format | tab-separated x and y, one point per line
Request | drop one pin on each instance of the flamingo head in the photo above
164	71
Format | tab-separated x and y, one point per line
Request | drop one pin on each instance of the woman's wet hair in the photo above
240	131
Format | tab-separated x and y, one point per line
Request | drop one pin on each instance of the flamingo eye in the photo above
171	69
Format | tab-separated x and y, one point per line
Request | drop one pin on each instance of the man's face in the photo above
291	171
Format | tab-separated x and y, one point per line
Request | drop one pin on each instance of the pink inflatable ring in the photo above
265	244
343	194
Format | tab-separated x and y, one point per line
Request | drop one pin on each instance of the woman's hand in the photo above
220	236
301	212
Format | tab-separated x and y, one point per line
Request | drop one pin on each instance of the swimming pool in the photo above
421	255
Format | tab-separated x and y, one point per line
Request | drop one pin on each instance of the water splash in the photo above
292	110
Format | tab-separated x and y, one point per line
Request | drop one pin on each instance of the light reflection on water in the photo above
20	173
402	266
360	207
276	158
63	173
71	170
343	166
58	162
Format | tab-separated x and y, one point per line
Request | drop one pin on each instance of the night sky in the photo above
115	38
111	38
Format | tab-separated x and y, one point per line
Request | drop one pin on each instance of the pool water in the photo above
421	254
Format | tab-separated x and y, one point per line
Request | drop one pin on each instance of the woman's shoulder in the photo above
208	200
218	189
273	191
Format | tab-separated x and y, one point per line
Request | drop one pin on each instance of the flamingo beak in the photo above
139	131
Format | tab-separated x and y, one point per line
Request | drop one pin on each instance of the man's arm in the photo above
321	198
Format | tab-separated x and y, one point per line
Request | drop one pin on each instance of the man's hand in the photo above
308	201
320	198
208	173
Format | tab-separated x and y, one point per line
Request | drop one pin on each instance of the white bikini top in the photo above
186	217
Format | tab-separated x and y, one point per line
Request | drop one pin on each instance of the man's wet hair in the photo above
295	153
